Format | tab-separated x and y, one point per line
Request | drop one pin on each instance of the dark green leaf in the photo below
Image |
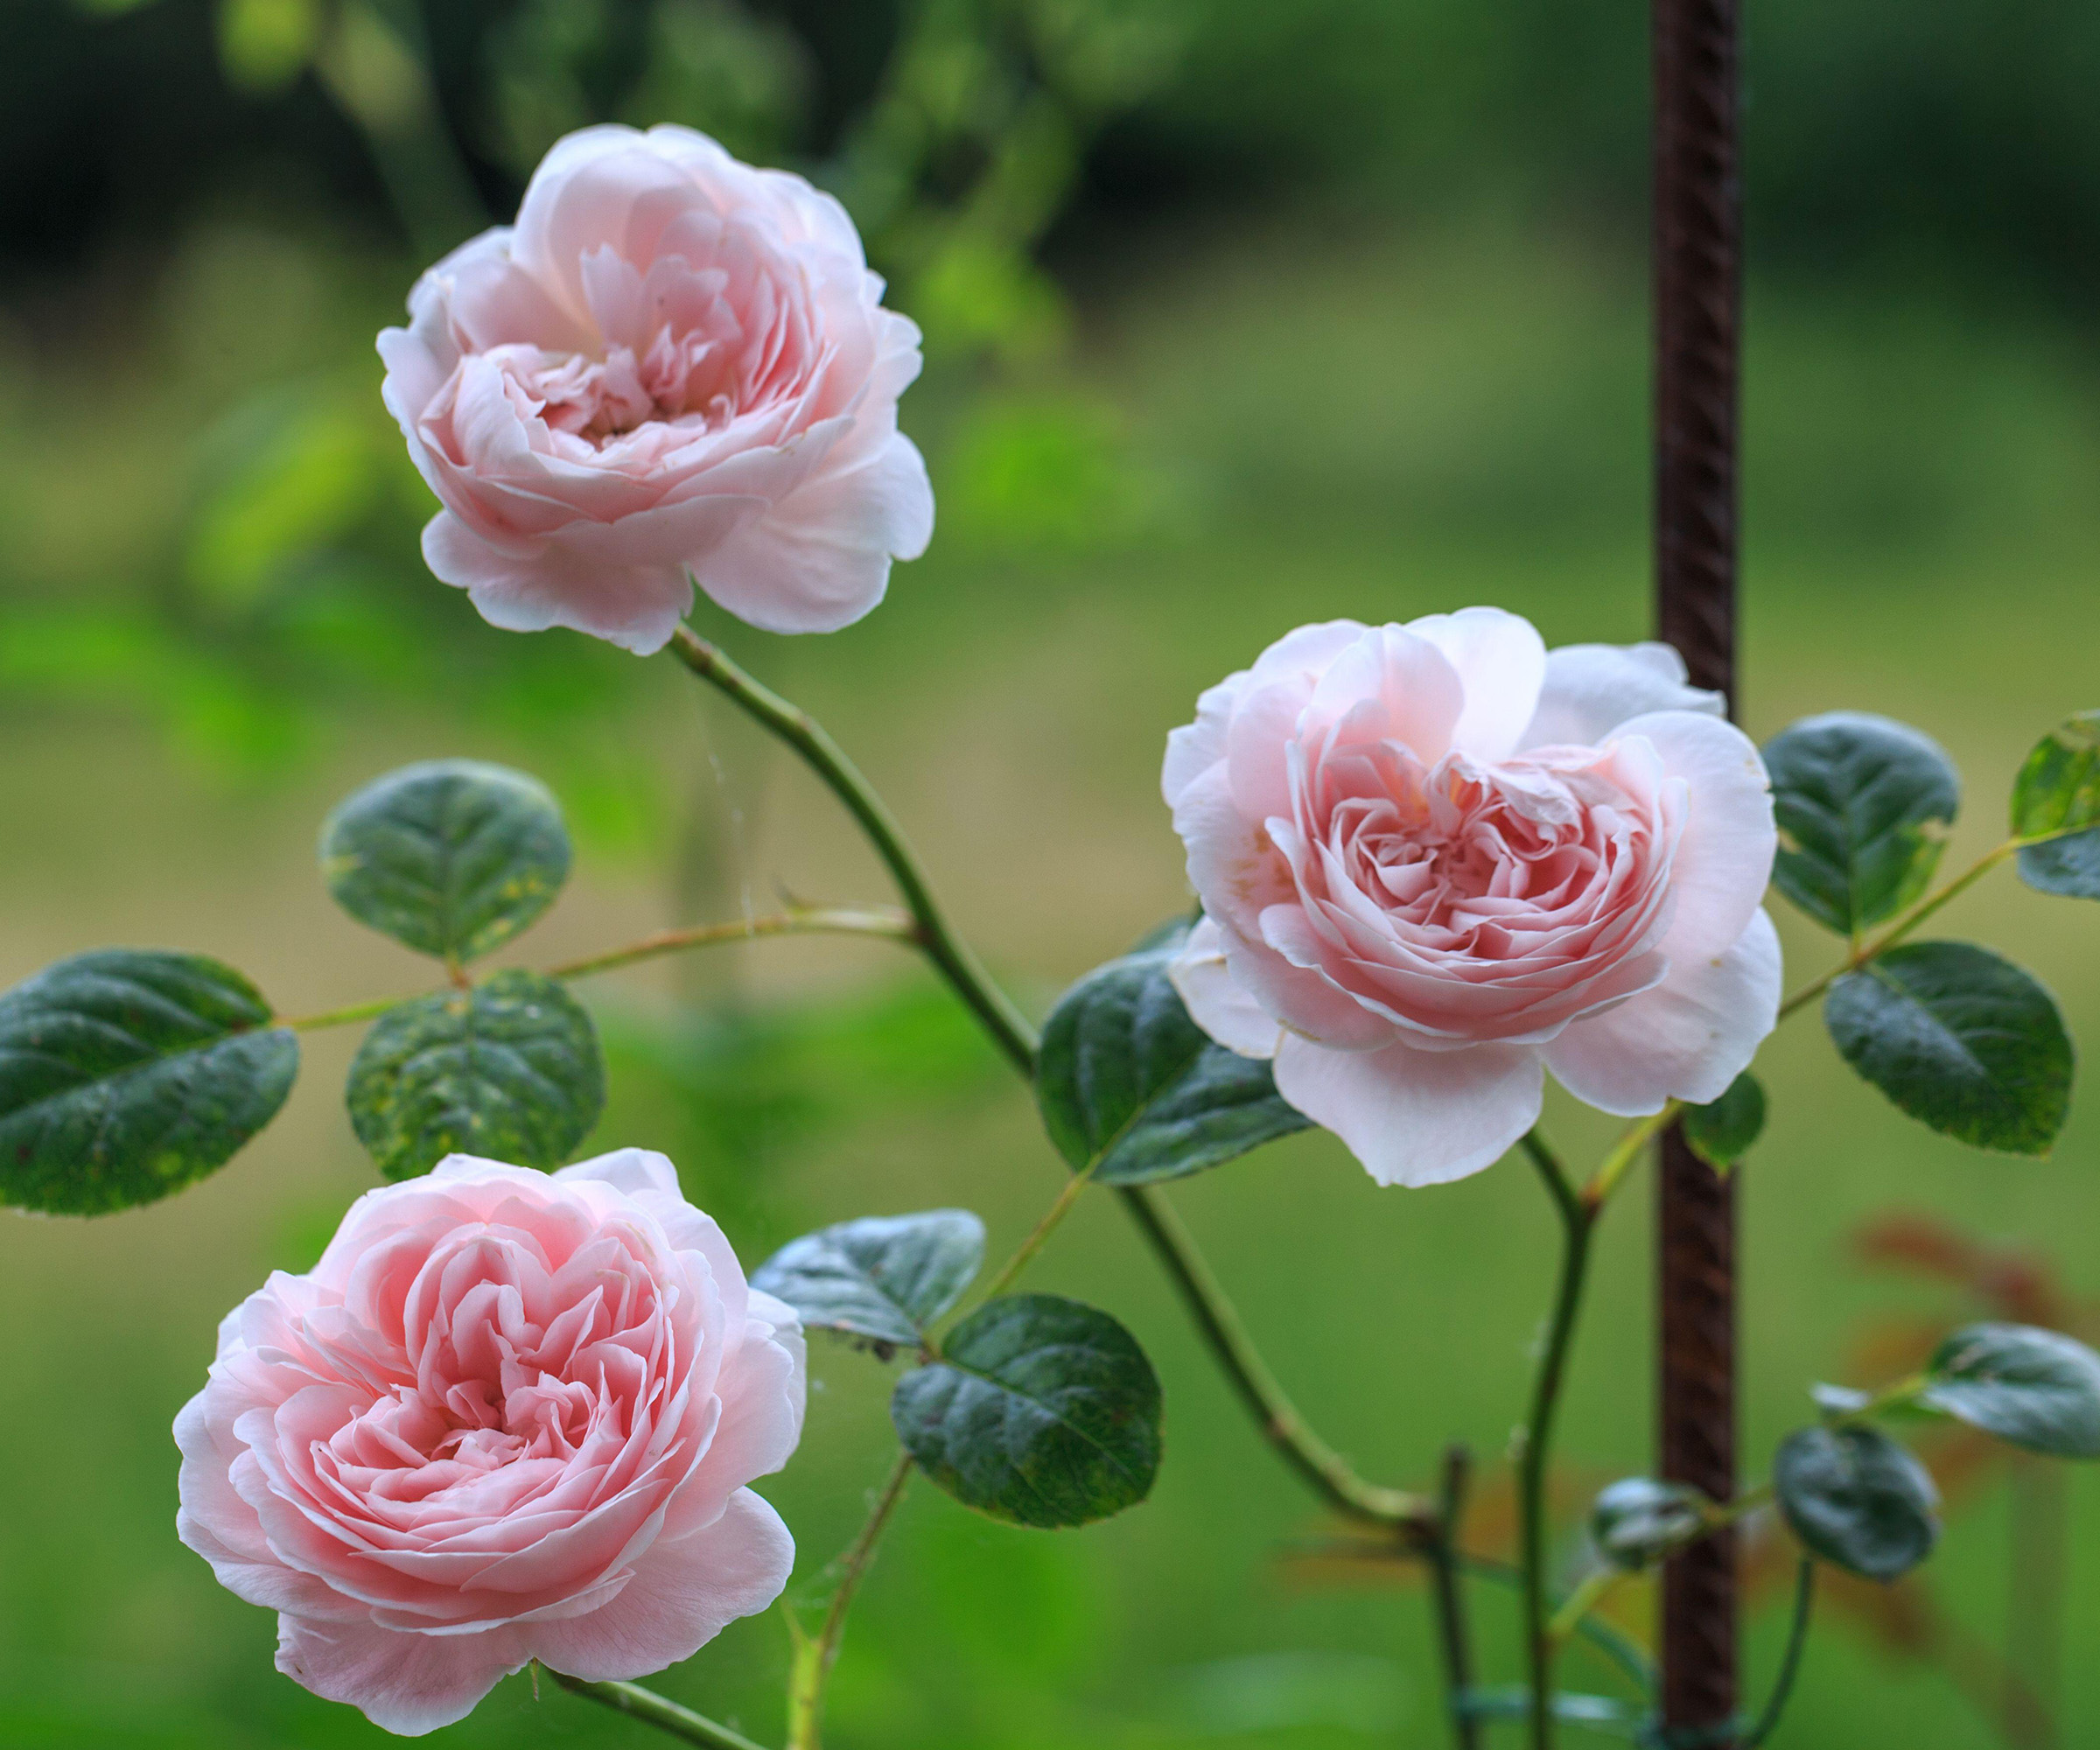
1132	1086
2035	1387
1857	1498
1961	1039
452	857
1040	1410
509	1070
2068	867
124	1074
1720	1134
1863	805
884	1278
2058	791
1638	1519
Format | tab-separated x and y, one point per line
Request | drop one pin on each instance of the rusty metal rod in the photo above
1697	268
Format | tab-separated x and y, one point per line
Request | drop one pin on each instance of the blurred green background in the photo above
1237	315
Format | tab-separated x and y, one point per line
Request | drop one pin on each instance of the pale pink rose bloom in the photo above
508	1416
672	367
1437	861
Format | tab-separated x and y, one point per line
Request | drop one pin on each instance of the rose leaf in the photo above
883	1278
2034	1388
1863	805
1959	1039
2058	792
510	1070
451	857
1857	1498
1133	1090
1040	1411
126	1074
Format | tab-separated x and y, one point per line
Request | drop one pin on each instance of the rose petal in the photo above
820	559
405	1684
1723	862
1216	1001
1415	1117
1500	662
1686	1039
683	1593
1590	689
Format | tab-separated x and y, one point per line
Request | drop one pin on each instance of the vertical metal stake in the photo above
1697	301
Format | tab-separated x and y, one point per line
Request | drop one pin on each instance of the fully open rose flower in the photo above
672	367
1437	861
507	1417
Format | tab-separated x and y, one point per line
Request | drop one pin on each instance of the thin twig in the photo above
1025	1253
1866	951
823	756
876	921
1578	1220
1626	1151
814	1659
1319	1465
1790	1664
658	1710
1441	1552
885	921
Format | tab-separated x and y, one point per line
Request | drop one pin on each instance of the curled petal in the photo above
1216	1001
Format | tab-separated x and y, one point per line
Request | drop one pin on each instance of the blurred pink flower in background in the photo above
674	368
1437	861
508	1416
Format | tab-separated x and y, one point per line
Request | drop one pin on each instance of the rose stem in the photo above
1910	919
1441	1552
876	921
1319	1465
1578	1217
814	1659
1007	1026
658	1710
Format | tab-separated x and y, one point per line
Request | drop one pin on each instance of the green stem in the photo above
658	1710
1578	1220
1327	1471
1319	1465
1580	1602
1007	1026
342	1018
1789	1666
1630	1659
1025	1254
1441	1551
814	1659
1626	1151
876	921
885	921
1903	925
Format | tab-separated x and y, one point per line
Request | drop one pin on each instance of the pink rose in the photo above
507	1417
674	368
1436	861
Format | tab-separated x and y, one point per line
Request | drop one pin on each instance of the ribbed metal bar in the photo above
1698	299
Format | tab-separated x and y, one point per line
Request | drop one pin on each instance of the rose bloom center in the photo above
1458	854
505	1376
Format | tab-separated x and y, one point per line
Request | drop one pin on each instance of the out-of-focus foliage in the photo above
1954	136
